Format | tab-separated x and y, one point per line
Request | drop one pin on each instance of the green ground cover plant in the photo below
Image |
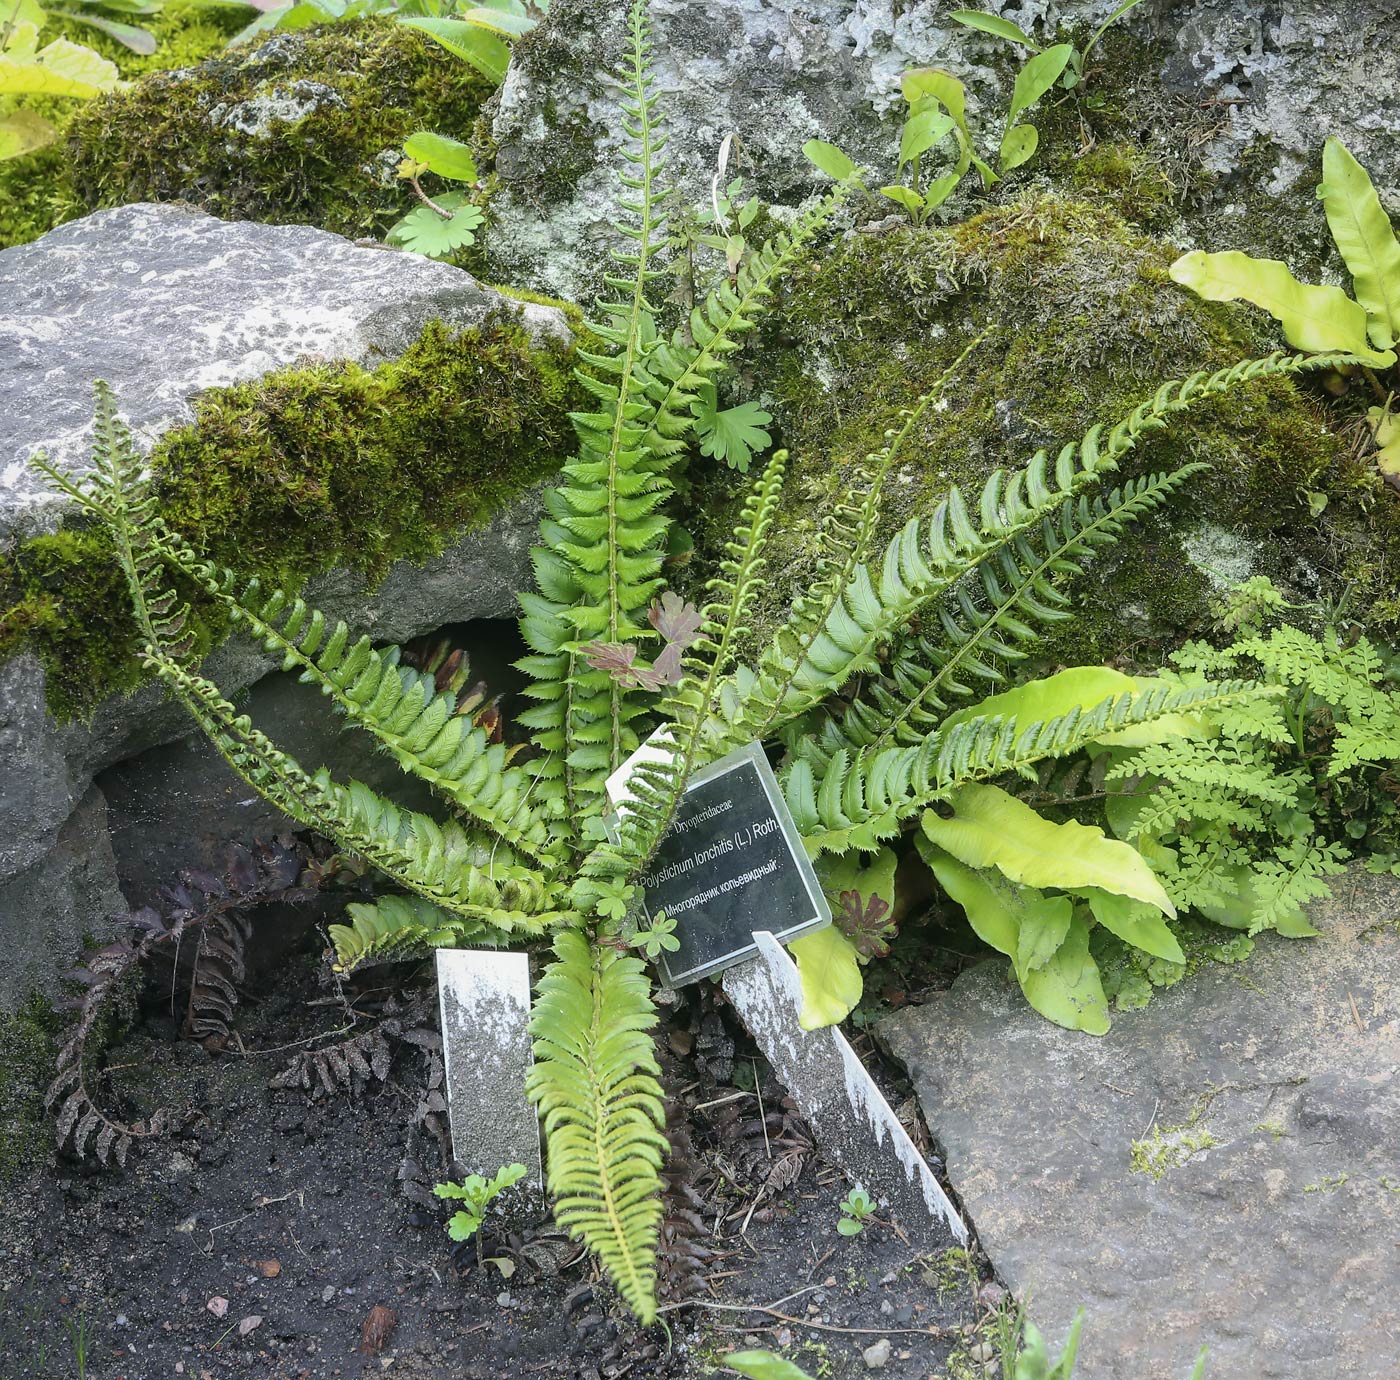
869	692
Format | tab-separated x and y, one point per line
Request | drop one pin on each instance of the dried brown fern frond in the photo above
208	908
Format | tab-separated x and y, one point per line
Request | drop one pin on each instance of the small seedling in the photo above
80	1334
476	1194
855	1212
1073	74
658	938
440	225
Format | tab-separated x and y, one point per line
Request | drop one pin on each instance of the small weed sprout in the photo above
856	1209
658	938
476	1194
80	1334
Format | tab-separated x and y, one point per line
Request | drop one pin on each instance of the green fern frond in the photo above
442	863
595	1082
991	619
827	636
1284	884
860	800
604	875
607	525
398	927
604	538
398	705
715	329
117	492
922	564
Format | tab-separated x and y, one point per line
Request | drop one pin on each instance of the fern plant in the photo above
1247	826
521	852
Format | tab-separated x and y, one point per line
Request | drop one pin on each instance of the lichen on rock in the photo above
302	128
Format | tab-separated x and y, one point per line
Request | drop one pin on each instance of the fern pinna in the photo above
521	853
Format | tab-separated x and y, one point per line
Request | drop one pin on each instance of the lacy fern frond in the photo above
1297	874
595	1082
1227	780
859	800
1346	679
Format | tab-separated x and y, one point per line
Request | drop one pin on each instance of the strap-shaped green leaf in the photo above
990	828
1365	238
1064	984
1036	78
475	45
1313	316
996	26
444	156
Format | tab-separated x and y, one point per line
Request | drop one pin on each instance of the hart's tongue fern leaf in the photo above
954	600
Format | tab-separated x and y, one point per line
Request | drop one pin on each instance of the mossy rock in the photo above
36	191
27	1054
306	128
1082	324
307	470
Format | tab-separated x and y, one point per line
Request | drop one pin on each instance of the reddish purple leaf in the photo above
617	659
676	621
863	923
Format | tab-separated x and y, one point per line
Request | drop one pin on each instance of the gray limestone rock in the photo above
70	888
163	302
779	72
1221	1168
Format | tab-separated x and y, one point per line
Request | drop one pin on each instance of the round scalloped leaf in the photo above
425	232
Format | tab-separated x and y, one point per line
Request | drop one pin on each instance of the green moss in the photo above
37	192
26	1070
226	135
1138	188
950	1271
1169	1147
303	471
1084	323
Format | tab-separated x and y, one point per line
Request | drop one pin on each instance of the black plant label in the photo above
731	863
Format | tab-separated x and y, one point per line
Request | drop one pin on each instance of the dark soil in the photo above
293	1210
